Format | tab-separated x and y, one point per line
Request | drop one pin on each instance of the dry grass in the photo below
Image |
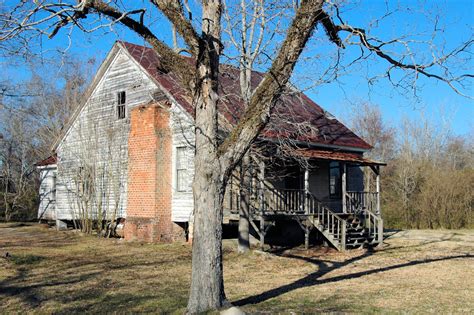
64	272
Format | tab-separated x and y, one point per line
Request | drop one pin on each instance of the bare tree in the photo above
32	114
94	182
368	123
214	159
17	155
428	184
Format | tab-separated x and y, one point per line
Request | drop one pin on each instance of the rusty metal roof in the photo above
295	116
48	161
336	156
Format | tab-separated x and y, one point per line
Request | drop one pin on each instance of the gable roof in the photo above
295	116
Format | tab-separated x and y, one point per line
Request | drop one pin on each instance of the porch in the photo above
345	218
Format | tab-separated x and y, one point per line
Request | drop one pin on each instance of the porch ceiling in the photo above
336	156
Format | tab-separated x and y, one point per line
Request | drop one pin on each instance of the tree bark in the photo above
244	214
207	283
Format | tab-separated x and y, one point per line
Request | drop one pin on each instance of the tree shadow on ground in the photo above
14	286
327	266
84	284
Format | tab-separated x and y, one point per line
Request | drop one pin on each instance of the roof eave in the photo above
322	145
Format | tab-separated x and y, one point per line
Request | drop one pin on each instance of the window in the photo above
334	180
182	183
121	105
53	186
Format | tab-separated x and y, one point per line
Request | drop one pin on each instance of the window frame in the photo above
121	105
182	167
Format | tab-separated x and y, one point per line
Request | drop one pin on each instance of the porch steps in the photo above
325	232
357	236
357	228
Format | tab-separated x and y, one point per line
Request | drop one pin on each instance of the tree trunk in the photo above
207	282
244	223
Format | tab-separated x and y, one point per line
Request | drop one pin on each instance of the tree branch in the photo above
269	90
173	10
333	31
169	59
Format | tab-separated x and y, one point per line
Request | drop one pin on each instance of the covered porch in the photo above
332	193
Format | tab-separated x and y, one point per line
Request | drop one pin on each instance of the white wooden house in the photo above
127	153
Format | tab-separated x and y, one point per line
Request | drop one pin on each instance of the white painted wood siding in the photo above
46	209
182	127
98	139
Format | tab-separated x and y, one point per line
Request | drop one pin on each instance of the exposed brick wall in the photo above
149	176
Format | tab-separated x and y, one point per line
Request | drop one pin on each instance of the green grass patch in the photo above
26	259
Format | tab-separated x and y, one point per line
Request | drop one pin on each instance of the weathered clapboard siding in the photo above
46	209
97	139
183	136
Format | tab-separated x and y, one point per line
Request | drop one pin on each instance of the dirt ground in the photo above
65	272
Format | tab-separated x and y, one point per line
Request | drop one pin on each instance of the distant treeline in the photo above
32	115
429	179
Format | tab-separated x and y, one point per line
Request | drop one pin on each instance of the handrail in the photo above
358	201
374	224
295	201
330	221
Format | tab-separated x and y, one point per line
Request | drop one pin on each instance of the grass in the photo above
66	272
25	259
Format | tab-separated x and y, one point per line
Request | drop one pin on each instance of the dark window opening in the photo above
121	109
334	180
53	186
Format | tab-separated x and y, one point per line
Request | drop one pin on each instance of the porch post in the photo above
344	188
343	235
377	189
244	204
306	189
262	185
262	204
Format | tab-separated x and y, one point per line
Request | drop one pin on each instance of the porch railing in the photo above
358	201
283	201
374	226
329	223
271	201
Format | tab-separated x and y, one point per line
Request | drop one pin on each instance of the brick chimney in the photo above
149	175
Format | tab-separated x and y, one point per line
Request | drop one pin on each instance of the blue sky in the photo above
435	100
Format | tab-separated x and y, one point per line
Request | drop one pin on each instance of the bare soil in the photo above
46	271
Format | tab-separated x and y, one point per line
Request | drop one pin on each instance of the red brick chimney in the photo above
149	175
